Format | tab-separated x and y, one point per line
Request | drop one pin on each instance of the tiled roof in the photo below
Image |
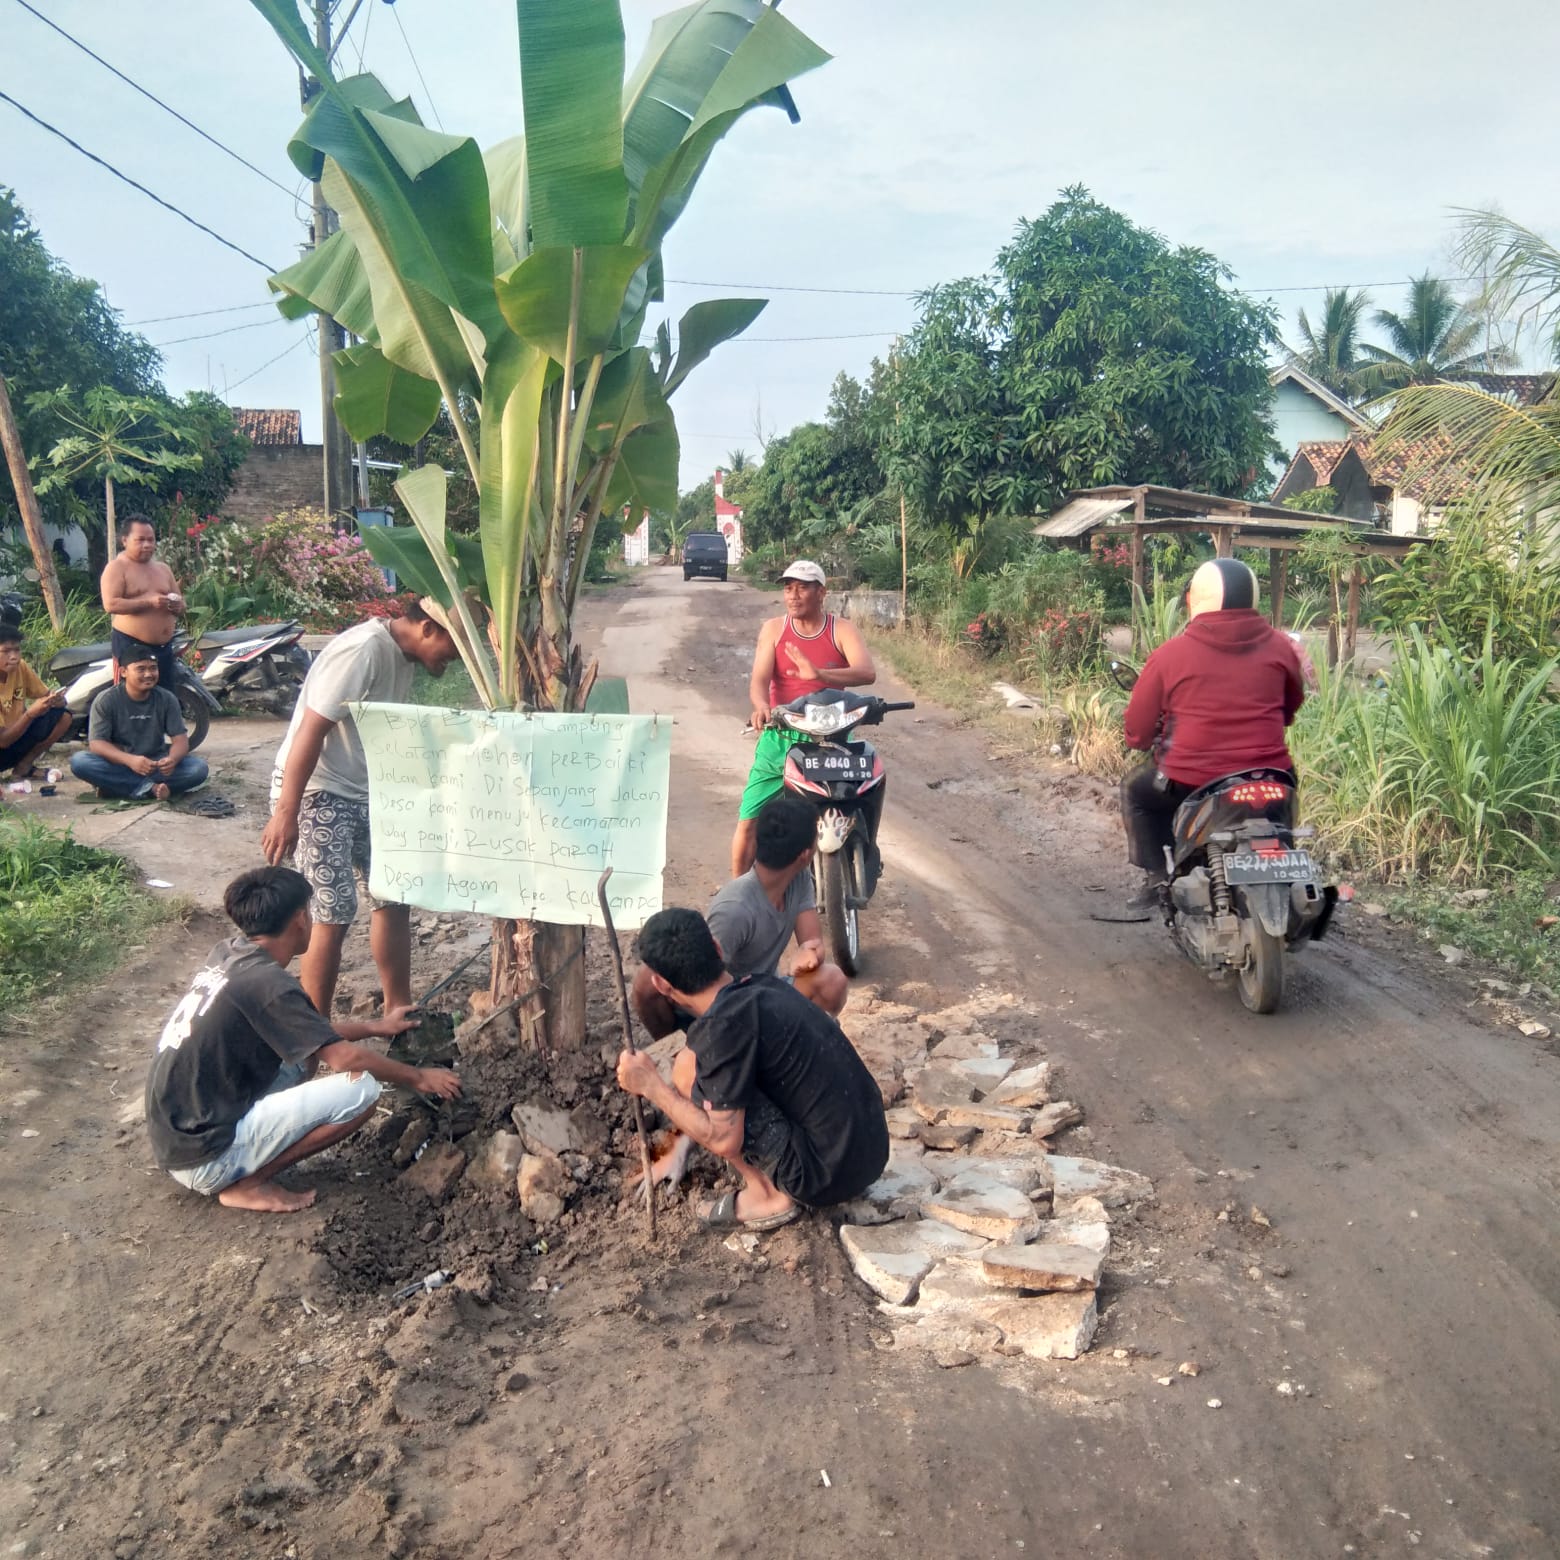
264	426
1519	389
1418	468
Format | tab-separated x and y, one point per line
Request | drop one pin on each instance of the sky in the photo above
1304	145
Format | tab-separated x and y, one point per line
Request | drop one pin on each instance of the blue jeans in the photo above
118	780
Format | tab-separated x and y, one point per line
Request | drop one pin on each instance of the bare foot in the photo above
267	1197
161	792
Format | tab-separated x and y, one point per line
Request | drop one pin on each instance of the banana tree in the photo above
521	279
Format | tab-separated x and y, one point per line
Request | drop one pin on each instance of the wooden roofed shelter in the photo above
1232	523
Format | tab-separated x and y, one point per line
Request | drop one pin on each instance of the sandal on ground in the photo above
207	806
722	1215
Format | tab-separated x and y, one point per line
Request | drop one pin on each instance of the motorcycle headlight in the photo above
822	720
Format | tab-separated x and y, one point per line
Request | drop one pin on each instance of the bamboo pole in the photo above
32	516
628	1042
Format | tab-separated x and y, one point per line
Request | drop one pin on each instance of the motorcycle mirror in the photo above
1126	676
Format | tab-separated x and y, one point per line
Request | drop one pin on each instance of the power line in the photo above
198	314
230	331
134	184
205	135
415	66
303	340
362	47
855	292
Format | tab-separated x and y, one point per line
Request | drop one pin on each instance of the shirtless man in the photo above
805	651
142	597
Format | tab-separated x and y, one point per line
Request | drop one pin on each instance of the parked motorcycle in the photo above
1241	893
845	781
87	670
261	666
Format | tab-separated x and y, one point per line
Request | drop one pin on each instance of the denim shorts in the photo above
291	1109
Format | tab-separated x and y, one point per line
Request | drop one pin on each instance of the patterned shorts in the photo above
332	853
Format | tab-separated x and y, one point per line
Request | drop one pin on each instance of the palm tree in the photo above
1434	339
1330	351
1522	270
737	461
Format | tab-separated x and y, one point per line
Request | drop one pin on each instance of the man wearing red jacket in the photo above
1214	700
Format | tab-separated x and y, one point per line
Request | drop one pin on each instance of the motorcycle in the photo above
845	781
87	670
1241	893
261	666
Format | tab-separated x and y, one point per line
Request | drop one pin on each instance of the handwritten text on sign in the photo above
516	815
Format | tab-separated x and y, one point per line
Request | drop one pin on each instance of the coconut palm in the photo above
1523	271
1330	350
1432	340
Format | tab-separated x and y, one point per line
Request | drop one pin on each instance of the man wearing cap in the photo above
805	651
137	745
319	792
1212	701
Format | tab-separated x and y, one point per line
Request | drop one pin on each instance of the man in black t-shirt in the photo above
248	1077
768	1082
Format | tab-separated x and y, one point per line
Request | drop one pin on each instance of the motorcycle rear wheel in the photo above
1261	980
840	920
197	715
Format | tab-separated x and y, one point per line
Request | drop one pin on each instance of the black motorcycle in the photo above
845	781
1242	893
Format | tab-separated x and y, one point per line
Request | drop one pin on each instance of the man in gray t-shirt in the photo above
756	915
319	792
137	746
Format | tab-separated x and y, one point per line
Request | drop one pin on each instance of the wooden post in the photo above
1278	578
1139	563
1351	628
1224	541
32	517
904	565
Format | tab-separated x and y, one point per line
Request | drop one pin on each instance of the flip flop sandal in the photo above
723	1216
208	806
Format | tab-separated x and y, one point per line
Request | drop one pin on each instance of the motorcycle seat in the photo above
220	637
75	657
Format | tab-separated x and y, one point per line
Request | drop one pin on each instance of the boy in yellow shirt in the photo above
32	719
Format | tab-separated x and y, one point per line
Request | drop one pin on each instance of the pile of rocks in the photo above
977	1237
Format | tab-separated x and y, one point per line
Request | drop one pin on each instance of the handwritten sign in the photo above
516	815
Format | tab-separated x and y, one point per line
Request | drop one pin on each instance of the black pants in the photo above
1148	803
121	644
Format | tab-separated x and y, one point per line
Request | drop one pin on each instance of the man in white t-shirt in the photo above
319	792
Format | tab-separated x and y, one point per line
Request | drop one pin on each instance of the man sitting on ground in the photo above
32	719
754	916
248	1077
767	1082
137	745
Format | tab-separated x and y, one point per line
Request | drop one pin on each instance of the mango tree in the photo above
520	280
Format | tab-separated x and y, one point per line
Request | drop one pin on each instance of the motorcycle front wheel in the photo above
1261	980
839	918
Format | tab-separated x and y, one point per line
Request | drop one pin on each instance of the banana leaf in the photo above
374	396
536	297
704	327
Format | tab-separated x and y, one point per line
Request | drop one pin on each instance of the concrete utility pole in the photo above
338	447
27	502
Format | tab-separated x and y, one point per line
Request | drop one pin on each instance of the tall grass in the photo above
1449	766
65	912
85	624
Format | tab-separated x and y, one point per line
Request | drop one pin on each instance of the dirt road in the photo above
1385	1347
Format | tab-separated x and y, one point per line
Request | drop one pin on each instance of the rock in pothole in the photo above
1112	1185
892	1259
1026	1087
983	1206
1045	1266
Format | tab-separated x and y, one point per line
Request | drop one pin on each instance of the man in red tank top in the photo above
805	651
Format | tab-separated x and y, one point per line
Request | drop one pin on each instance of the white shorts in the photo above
291	1109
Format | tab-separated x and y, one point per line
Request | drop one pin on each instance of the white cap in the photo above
806	570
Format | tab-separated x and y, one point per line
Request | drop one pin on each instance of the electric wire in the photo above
230	331
411	54
303	340
197	314
152	96
134	183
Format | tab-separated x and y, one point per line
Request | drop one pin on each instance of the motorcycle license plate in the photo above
828	768
1280	866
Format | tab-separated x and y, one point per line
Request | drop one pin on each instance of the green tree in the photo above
1330	350
1094	353
1523	271
1433	339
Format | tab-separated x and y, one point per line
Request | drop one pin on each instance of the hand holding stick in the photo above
628	1042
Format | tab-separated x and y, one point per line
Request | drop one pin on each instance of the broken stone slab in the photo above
948	1332
1081	1210
982	1206
497	1161
544	1129
940	1135
938	1089
955	1281
1044	1327
436	1172
1044	1266
1027	1173
1113	1186
903	1123
543	1182
984	1072
1055	1117
892	1259
987	1118
1077	1230
905	1182
964	1048
1026	1086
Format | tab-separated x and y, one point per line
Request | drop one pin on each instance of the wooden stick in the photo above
628	1041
